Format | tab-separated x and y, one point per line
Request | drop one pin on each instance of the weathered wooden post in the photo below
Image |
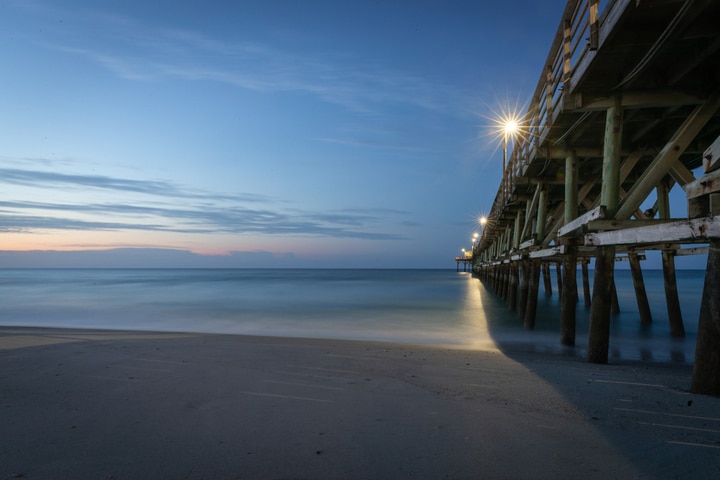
531	307
512	294
639	285
706	371
534	281
558	274
501	253
512	286
614	304
586	283
599	341
677	329
568	296
506	281
546	279
524	286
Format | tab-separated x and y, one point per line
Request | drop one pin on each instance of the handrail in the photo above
571	43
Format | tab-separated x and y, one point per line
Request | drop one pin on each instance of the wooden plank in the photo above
634	99
548	252
683	252
711	157
627	259
527	244
612	224
704	185
698	230
575	227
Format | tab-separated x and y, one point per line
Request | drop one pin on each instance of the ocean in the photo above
436	307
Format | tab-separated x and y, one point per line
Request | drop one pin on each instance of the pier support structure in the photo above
586	107
603	284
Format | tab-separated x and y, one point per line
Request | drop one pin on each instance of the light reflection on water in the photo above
440	307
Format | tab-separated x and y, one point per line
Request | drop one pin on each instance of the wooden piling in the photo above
568	292
586	284
640	293
568	297
614	304
531	308
504	282
558	274
599	341
513	285
524	287
546	279
677	329
706	370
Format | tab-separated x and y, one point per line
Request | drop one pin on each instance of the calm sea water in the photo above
441	307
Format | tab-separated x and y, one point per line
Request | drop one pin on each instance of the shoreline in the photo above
121	404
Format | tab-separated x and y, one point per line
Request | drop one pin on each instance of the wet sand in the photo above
129	405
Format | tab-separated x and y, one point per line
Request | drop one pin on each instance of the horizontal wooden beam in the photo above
559	152
704	185
697	230
612	224
655	98
684	252
547	252
527	244
575	227
625	258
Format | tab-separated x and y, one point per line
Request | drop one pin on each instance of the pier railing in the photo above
577	34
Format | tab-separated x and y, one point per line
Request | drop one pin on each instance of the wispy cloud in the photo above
33	178
138	52
171	208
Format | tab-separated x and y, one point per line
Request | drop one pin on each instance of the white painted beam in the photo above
697	230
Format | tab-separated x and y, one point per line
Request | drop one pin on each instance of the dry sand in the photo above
81	404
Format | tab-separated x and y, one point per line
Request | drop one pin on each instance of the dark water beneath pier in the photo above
440	307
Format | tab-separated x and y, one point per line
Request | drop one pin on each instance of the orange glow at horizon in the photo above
199	244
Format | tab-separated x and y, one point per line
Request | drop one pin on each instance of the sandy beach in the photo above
129	405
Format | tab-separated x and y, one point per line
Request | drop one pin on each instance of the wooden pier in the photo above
626	109
466	262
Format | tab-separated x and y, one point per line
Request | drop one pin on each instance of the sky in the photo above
256	133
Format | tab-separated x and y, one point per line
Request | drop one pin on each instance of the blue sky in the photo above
257	133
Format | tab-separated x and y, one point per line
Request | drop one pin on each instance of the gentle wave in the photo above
439	307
